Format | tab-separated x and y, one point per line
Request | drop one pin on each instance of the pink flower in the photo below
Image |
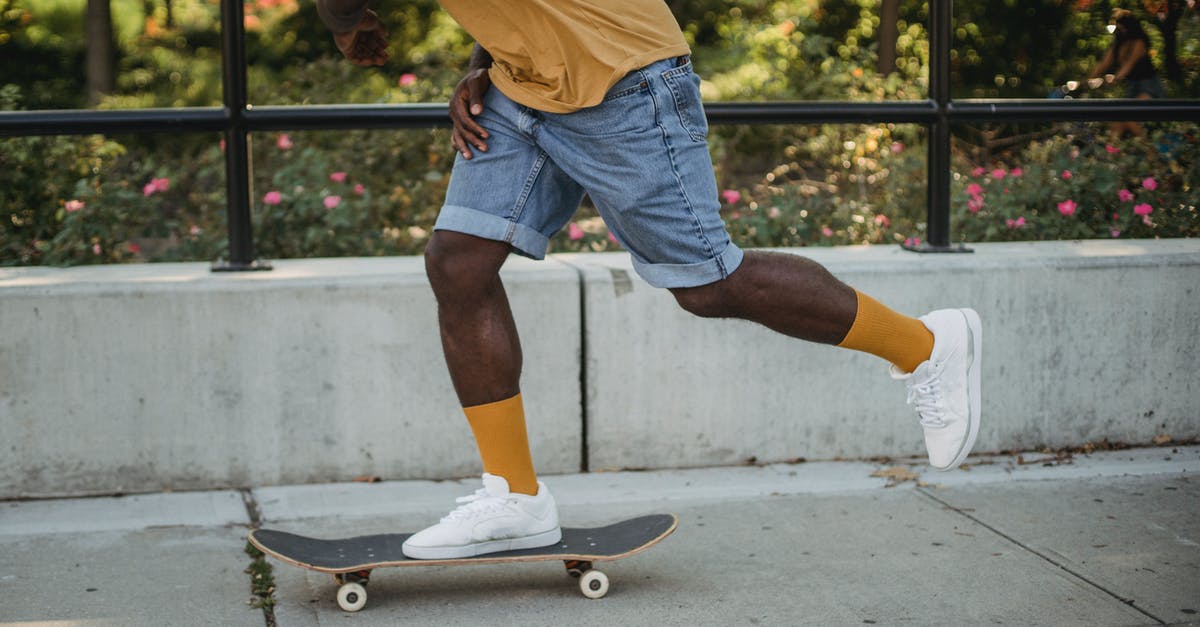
883	221
1016	172
1143	209
1115	232
96	249
978	171
284	141
359	189
155	186
407	80
222	144
1015	224
195	230
338	177
133	248
1149	183
574	233
73	205
999	173
826	231
912	242
272	198
975	204
897	148
1067	207
332	201
1125	195
974	189
1112	150
731	196
1066	175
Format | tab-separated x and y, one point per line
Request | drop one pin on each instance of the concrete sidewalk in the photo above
1110	538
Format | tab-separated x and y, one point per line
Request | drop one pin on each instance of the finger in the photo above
475	97
465	118
460	145
469	135
458	108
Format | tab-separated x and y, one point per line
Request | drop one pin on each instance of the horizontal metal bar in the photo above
918	111
1090	110
111	121
297	118
427	115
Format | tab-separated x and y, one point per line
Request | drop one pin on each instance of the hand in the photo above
366	44
1095	83
465	104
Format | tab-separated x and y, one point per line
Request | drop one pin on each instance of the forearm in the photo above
341	15
1102	65
480	59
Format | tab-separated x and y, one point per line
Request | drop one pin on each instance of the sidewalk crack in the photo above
1080	576
262	578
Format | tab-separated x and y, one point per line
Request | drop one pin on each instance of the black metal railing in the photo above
236	119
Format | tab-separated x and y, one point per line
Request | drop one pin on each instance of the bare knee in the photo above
459	263
706	301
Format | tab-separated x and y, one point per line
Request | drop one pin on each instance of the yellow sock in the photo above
902	340
499	429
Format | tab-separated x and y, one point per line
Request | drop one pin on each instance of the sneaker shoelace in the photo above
480	503
926	398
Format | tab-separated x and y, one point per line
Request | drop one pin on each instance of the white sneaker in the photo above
491	520
945	390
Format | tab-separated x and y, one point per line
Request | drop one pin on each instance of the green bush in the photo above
1078	185
321	194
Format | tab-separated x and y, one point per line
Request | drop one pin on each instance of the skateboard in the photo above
351	560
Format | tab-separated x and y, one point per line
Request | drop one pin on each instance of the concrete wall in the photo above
169	376
1082	341
133	378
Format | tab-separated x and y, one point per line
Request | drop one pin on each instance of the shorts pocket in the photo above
685	91
627	110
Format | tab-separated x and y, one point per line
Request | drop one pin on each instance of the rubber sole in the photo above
974	384
483	548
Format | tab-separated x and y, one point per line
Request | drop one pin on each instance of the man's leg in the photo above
482	349
937	356
483	353
799	297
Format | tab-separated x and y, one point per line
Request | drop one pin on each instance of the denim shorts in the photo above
642	157
1150	86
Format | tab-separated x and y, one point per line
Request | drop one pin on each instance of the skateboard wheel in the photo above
593	584
352	597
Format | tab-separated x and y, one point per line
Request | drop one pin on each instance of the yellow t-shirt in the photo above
562	55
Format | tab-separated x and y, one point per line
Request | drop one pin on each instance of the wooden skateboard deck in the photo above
351	560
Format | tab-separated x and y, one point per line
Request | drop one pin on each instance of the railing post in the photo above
937	190
237	144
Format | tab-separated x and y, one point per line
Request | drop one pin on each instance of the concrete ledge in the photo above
1083	341
153	377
